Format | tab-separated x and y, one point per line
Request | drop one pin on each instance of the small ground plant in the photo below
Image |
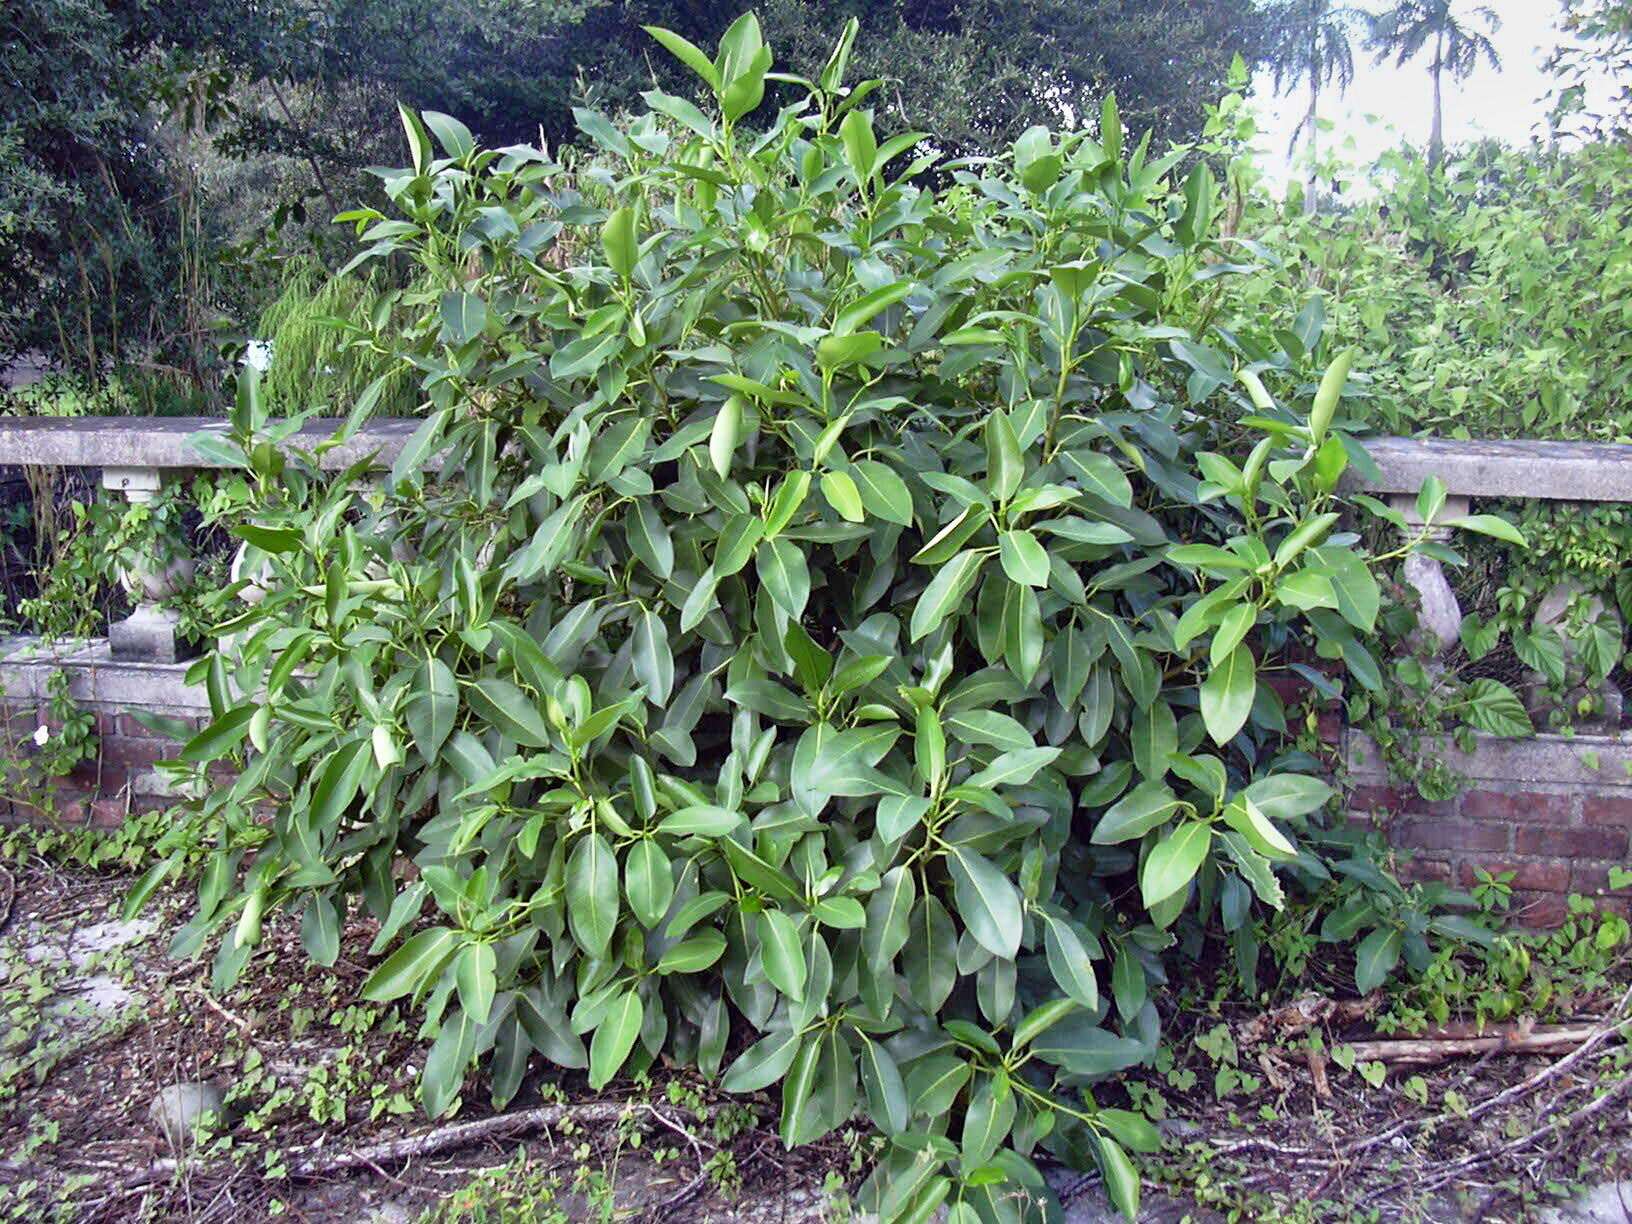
821	631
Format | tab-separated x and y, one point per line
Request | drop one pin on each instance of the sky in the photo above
1386	104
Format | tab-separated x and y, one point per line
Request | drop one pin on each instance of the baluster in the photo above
1440	614
149	633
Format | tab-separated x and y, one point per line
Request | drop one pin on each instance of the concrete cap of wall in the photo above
97	679
165	442
1548	471
1595	763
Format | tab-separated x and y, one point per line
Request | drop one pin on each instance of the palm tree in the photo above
1412	25
1310	43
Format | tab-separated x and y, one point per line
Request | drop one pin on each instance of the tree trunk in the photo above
1311	186
1436	136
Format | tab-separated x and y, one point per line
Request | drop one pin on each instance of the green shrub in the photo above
811	636
1489	298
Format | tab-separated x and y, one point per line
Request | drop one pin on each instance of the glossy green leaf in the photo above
1227	694
411	966
592	894
614	1038
782	953
1174	861
987	901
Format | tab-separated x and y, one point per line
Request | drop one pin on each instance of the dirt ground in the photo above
99	1020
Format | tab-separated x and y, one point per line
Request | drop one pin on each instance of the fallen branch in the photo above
1423	1051
1611	1026
314	1161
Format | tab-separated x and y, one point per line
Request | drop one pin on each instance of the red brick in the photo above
1571	843
1523	807
126	751
107	813
1396	800
128	726
98	778
1292	688
1367	799
1423	870
1607	809
59	810
1448	835
1543	910
1540	877
1592	878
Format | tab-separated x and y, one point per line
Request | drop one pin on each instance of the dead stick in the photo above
1612	1025
1561	1040
315	1162
448	1138
1571	1123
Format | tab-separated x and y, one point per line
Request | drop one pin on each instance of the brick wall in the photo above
121	778
1556	811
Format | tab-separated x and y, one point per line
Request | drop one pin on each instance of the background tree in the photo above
1597	46
256	122
89	235
1311	43
1411	26
981	70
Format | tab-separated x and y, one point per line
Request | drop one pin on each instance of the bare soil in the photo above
95	1029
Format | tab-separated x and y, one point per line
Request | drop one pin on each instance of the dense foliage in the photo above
1598	52
816	633
1490	299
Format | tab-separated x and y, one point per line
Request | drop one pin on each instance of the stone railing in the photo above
137	456
1554	810
140	667
1533	471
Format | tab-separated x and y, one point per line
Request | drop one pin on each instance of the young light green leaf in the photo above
619	243
1174	862
688	54
1326	398
841	493
1493	525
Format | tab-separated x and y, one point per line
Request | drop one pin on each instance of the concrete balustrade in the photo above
1554	810
137	457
